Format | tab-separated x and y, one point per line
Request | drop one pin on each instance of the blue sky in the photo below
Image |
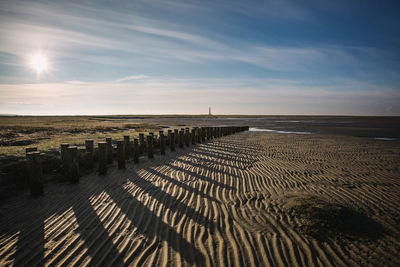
180	57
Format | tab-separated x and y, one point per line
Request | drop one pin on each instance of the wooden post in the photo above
193	136
150	146
127	147
167	139
73	164
142	144
109	150
176	134
136	150
30	149
120	154
162	143
198	135
64	158
35	173
103	156
187	137
180	139
89	153
171	137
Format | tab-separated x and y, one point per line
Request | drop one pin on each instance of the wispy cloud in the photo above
124	33
132	77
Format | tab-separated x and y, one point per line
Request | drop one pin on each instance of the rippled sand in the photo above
218	203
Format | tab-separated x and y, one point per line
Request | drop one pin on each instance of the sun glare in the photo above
39	62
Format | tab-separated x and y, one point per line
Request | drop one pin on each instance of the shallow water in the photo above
253	129
385	138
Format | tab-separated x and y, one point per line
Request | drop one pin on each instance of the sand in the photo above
219	203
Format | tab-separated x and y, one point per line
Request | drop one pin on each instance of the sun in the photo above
39	62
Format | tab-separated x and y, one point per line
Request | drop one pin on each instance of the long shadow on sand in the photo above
94	237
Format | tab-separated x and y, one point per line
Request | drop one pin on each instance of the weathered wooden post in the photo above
198	135
127	146
141	143
180	139
64	158
109	150
89	153
162	143
171	137
167	139
30	149
136	150
103	157
193	136
73	164
120	154
35	173
176	134
187	137
150	146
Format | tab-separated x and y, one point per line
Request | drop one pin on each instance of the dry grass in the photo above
17	133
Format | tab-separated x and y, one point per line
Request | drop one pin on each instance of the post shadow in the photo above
28	253
162	230
182	185
174	204
202	177
89	224
216	159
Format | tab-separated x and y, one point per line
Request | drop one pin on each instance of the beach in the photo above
226	202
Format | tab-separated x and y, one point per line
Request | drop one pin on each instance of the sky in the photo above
277	57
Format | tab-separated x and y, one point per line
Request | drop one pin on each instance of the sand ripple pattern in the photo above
213	204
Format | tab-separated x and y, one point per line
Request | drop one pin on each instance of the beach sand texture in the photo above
220	203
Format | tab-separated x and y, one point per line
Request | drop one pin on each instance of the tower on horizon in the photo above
209	111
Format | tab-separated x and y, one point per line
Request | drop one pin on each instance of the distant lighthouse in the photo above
209	111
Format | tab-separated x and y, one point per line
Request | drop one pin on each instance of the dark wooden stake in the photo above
120	154
136	150
103	157
180	139
162	143
172	141
127	148
150	146
176	134
109	150
89	153
142	143
193	136
187	137
64	158
35	173
73	164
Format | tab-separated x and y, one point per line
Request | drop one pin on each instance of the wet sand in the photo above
216	203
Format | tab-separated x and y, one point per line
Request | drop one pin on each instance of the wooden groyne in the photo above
73	160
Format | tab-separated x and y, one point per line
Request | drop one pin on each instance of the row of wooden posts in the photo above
125	149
